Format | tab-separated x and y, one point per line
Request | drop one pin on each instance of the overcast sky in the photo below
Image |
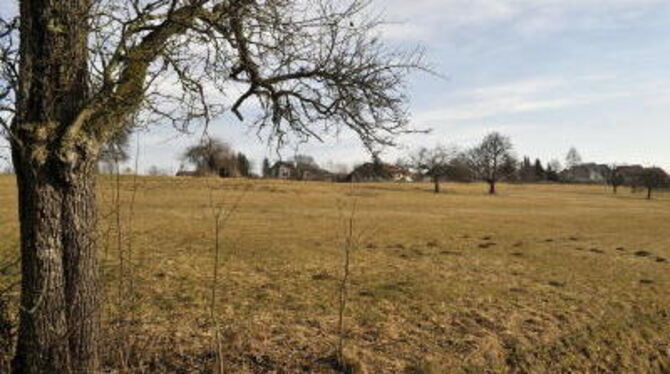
551	74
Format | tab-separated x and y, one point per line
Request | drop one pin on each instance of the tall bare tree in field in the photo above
615	178
492	159
74	71
653	178
434	163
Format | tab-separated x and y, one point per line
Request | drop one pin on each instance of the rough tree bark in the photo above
55	178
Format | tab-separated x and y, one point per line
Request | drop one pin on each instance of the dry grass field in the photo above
539	279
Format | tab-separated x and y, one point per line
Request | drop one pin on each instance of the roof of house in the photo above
284	164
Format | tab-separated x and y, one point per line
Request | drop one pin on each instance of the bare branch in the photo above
300	67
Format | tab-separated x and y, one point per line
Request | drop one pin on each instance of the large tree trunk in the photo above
492	187
59	300
55	178
648	193
436	180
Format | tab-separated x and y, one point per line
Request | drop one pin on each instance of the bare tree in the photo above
615	178
492	160
86	66
115	151
243	165
212	157
266	168
554	167
434	163
653	178
573	158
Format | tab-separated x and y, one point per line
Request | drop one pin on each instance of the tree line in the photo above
491	161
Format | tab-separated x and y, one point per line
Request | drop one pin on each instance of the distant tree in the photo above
653	178
304	161
615	178
243	165
304	164
553	168
492	160
266	168
527	171
573	158
212	156
459	168
116	151
540	174
434	163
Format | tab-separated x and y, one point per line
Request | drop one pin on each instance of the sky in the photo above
551	74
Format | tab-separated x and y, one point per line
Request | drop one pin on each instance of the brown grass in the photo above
537	279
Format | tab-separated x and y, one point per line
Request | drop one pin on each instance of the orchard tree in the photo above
74	71
211	157
615	178
492	160
434	163
653	178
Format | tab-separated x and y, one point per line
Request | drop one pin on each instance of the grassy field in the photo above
539	279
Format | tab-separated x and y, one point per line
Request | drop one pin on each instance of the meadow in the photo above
538	279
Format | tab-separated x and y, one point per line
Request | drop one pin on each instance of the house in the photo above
380	172
225	170
586	173
282	170
302	172
307	172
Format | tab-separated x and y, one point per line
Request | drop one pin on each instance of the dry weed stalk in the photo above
220	216
125	304
352	239
349	244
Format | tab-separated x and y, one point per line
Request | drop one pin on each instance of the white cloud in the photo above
498	102
427	20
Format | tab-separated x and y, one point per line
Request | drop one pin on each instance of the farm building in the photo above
299	171
380	172
282	170
586	173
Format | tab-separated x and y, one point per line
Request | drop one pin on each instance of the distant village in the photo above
379	171
491	161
